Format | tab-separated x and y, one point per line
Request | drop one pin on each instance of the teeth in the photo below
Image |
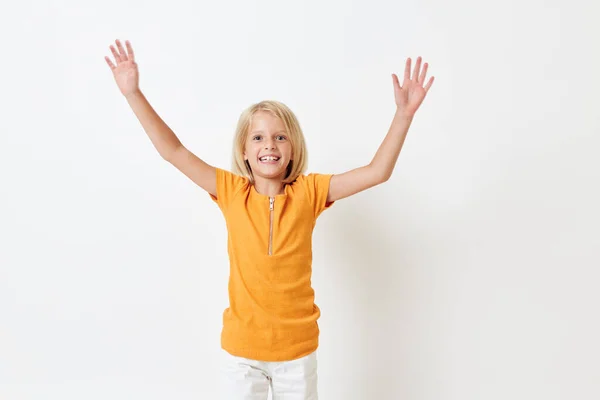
269	158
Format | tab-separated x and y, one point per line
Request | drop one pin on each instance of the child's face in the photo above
268	148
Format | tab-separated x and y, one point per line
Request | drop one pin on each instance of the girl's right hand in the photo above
126	71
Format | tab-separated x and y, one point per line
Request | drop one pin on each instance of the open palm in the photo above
126	71
411	94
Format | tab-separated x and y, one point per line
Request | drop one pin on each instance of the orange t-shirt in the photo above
271	315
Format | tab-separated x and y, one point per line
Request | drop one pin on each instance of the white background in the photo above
471	274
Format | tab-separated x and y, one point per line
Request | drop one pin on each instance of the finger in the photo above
407	71
110	64
429	84
395	80
130	50
417	69
115	54
423	74
122	51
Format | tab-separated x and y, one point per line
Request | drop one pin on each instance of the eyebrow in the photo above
260	131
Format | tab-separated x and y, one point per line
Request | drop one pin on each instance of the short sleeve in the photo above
317	189
228	185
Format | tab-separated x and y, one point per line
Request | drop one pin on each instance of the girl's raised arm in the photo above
408	98
162	137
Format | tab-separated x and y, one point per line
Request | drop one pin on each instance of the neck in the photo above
268	187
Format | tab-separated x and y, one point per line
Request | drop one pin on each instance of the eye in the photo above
281	138
257	137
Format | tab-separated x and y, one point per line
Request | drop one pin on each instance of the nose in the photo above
269	144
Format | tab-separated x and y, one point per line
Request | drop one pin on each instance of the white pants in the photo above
245	379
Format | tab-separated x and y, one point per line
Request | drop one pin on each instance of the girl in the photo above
270	332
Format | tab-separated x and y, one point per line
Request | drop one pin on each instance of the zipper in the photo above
271	201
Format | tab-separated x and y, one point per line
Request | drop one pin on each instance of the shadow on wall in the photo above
375	259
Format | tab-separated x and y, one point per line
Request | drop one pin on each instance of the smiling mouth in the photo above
268	159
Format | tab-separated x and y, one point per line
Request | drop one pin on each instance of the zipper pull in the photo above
271	201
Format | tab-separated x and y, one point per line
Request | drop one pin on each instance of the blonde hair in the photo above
299	161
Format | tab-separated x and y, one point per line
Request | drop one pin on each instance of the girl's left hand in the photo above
411	94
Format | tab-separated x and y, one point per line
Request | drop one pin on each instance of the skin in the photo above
408	97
